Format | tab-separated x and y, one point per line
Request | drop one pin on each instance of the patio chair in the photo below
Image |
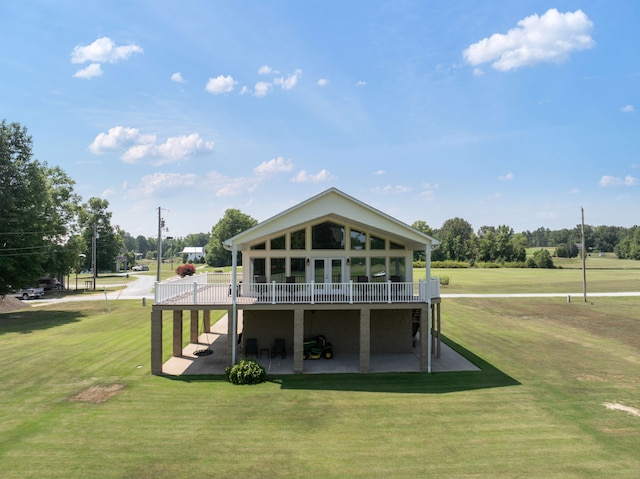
251	347
279	347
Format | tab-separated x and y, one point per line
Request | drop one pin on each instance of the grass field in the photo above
78	400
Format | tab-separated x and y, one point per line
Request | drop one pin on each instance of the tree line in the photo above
46	228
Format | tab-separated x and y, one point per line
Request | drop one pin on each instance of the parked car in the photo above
140	267
49	283
28	293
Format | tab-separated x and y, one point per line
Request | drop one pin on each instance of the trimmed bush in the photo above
247	371
186	270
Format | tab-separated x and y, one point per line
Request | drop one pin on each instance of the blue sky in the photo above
498	112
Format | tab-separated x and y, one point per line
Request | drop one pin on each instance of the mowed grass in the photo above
534	410
602	276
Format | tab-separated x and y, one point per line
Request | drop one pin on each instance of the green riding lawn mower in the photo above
317	347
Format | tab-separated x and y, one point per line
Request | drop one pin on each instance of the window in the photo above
397	268
327	236
358	240
377	243
298	239
378	269
299	270
358	268
259	268
393	245
259	246
278	243
277	270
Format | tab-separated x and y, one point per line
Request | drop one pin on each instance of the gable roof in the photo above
334	205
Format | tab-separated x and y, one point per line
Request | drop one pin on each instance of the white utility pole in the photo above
160	226
584	259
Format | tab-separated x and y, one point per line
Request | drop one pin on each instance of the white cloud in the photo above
391	189
92	71
107	193
551	37
628	109
628	180
138	146
304	177
380	172
289	82
266	70
361	83
508	177
103	50
262	88
275	165
117	138
178	148
177	77
478	72
323	82
150	184
220	84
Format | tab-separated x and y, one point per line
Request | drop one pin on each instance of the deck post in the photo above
156	342
193	330
206	320
298	341
365	339
177	333
233	320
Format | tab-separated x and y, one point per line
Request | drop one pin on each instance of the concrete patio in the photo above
216	340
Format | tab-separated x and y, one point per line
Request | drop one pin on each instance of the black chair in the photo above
363	279
279	347
251	347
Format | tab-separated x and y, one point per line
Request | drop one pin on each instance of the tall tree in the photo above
458	240
96	218
37	207
232	223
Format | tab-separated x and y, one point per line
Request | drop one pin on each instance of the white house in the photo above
194	253
331	265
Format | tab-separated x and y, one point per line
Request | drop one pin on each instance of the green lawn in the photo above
535	410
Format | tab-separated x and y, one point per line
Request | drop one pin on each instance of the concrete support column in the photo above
365	340
177	333
156	342
424	337
231	339
206	320
298	341
193	331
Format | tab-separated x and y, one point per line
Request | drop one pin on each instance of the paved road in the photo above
142	287
541	295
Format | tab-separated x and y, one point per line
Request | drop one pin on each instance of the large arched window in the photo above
327	235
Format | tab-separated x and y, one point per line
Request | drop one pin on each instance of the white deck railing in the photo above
215	288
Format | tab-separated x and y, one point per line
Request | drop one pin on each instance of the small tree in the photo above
542	259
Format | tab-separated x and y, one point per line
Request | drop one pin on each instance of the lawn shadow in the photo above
396	382
410	382
25	322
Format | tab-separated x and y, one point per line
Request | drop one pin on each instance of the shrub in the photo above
186	270
247	371
444	280
542	259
